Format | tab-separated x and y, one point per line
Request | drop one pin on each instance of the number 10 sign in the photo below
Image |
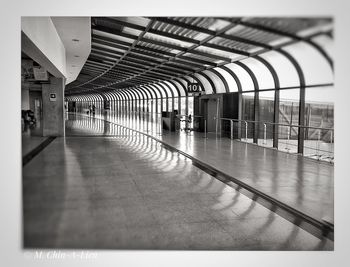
193	88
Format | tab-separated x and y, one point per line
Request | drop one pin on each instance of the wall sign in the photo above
193	88
52	97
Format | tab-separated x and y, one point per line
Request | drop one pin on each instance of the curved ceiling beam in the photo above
182	85
222	78
213	87
235	77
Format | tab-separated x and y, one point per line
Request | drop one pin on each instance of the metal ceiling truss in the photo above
142	62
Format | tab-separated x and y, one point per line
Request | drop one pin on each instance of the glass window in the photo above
180	87
232	85
266	115
261	72
113	36
326	42
109	48
285	70
234	44
243	76
176	104
319	117
319	107
248	106
315	67
167	40
190	110
172	87
141	21
131	31
183	106
207	87
218	52
219	85
247	126
288	115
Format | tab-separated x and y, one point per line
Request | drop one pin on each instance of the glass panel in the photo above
315	67
176	104
183	106
169	97
159	105
167	40
217	52
218	24
111	58
158	89
234	44
247	128
323	26
286	72
172	87
266	112
190	111
141	21
288	115
229	79
262	74
219	85
205	82
170	100
113	36
131	31
178	30
192	57
178	85
243	76
319	117
164	104
257	35
326	43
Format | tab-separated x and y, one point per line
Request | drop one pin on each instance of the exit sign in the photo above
193	88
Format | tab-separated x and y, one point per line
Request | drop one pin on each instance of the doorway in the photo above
211	111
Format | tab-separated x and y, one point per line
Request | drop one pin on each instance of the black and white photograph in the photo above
177	132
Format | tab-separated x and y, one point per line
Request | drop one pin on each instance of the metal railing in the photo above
318	141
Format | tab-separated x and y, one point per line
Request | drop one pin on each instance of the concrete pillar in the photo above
53	108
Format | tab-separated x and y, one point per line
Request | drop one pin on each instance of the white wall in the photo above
41	42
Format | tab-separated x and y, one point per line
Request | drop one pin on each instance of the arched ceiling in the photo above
131	51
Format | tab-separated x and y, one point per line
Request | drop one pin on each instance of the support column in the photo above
53	107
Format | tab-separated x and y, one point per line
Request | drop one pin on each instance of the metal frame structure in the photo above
156	57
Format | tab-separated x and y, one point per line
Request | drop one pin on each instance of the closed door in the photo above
211	115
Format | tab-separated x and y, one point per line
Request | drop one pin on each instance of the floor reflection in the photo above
110	187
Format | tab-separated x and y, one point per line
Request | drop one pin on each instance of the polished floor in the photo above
126	191
31	138
304	184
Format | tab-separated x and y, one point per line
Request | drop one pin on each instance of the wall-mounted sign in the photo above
193	88
52	97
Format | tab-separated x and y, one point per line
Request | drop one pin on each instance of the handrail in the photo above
279	124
